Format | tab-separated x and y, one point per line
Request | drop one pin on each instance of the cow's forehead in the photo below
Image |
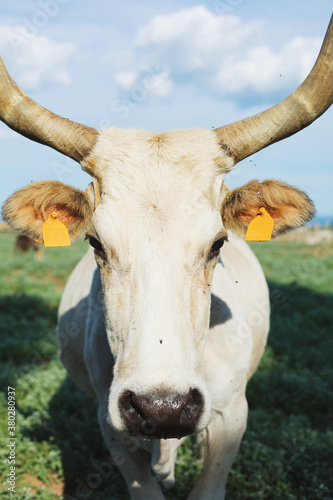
193	154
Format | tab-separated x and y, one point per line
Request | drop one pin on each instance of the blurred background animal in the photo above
24	243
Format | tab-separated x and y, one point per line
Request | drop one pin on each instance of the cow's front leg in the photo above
132	461
222	438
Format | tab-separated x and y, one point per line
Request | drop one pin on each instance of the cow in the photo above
23	243
158	322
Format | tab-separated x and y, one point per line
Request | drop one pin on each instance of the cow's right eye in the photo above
95	244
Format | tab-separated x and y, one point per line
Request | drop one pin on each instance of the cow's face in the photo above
156	228
157	232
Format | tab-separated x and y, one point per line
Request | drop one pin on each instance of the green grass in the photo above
286	452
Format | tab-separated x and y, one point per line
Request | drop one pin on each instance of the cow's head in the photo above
157	214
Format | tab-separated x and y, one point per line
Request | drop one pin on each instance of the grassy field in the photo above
287	451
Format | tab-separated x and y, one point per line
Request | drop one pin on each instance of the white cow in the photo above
144	326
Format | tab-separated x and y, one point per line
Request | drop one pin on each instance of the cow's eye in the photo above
215	249
95	244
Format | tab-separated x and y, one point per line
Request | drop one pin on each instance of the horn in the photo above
310	100
30	119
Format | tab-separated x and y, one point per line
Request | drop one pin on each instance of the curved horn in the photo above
30	119
312	98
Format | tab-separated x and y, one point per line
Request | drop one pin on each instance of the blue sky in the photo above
166	65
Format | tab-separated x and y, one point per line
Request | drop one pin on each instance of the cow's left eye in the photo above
95	244
215	249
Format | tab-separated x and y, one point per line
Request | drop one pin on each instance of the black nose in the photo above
153	416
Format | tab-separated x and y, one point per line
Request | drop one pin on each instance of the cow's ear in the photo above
289	207
27	209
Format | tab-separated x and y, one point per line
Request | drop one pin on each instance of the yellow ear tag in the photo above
261	227
55	233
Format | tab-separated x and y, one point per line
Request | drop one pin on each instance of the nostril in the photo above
128	407
191	407
136	414
134	402
154	416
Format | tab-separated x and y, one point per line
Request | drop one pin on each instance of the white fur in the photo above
158	216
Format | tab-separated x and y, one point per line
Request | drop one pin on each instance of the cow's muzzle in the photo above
155	416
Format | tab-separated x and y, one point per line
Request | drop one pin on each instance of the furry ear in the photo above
27	209
288	206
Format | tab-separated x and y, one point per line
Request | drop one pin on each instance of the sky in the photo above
161	66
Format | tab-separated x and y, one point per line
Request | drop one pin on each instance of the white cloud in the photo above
138	86
36	60
265	72
161	84
220	53
193	39
126	79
